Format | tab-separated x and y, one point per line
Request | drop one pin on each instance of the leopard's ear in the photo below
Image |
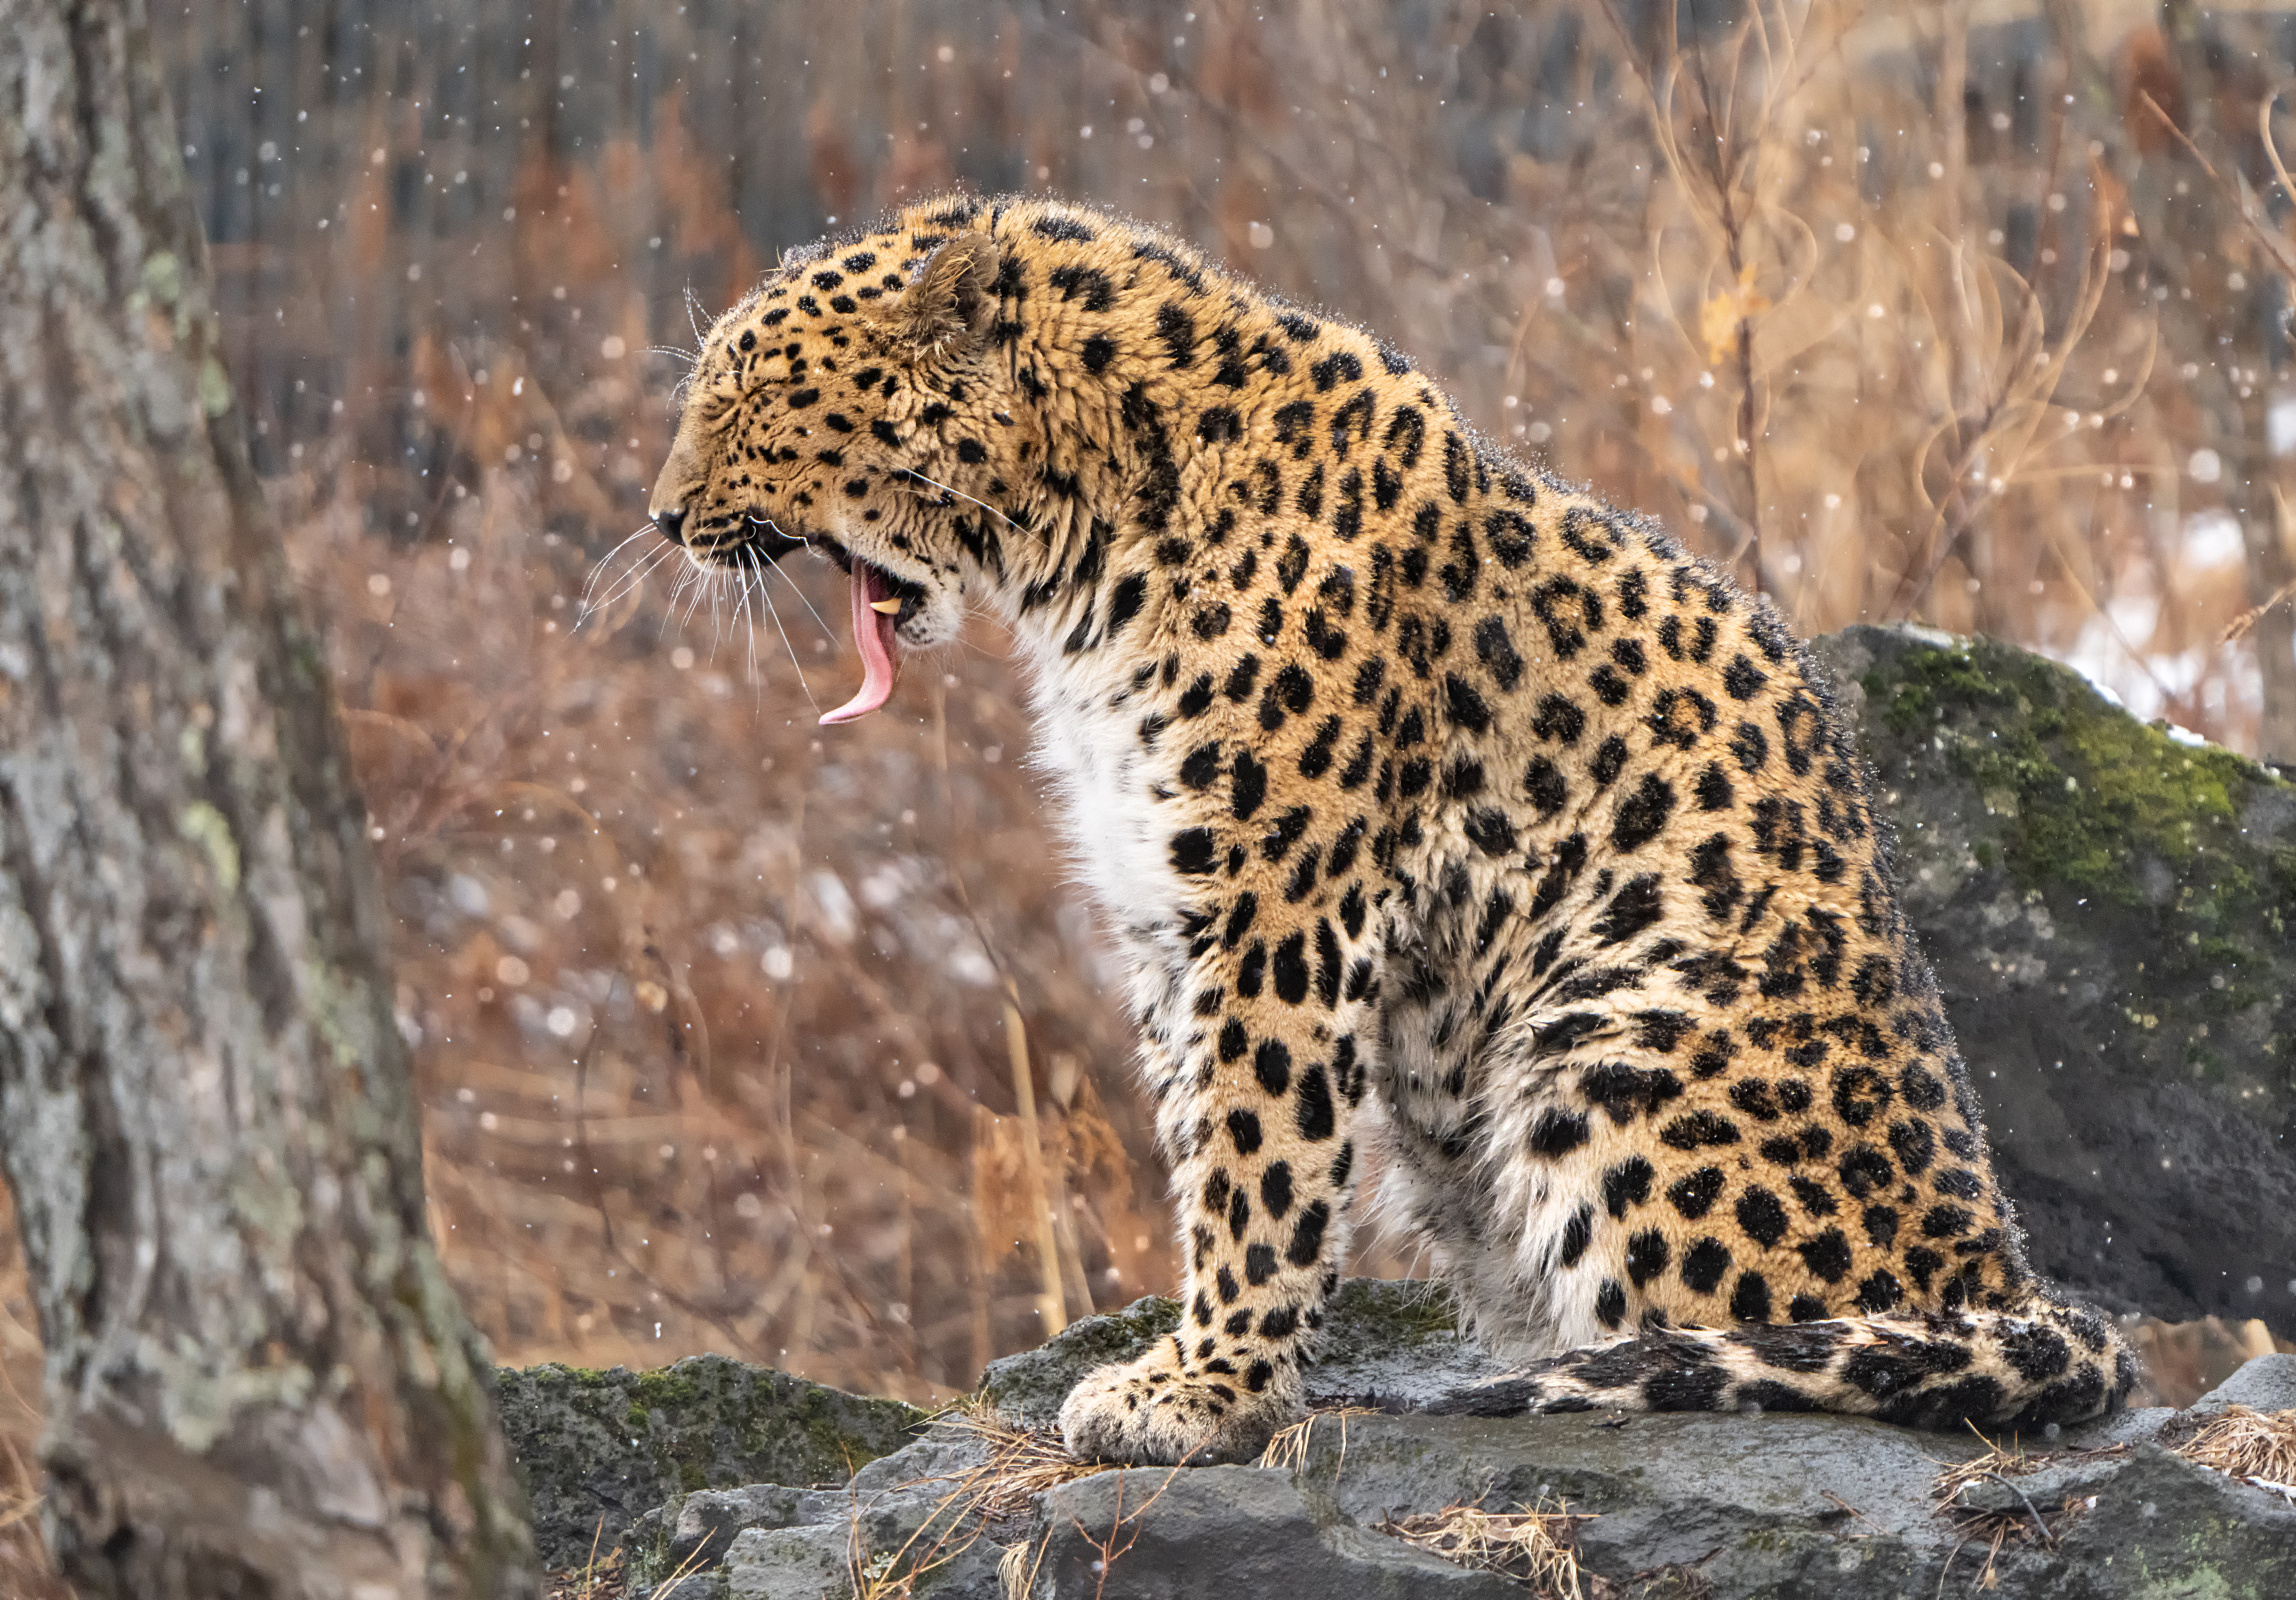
947	311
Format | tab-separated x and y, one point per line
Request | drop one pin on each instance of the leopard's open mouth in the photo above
881	603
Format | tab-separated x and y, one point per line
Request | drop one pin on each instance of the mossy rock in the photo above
1027	1388
2107	903
599	1449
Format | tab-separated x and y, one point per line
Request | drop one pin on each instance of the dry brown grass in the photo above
1022	1464
2258	1447
2004	1462
996	1496
1287	1451
24	1571
1534	1547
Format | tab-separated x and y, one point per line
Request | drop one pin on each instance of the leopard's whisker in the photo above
798	590
670	609
993	511
737	568
765	599
640	565
749	622
795	587
743	624
725	595
598	568
722	580
703	583
653	564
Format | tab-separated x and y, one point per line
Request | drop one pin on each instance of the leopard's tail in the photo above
2042	1363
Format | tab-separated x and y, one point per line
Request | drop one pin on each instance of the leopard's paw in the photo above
1166	1411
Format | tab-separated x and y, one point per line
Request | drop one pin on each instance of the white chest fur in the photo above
1118	809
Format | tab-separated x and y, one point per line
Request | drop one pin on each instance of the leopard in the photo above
1438	811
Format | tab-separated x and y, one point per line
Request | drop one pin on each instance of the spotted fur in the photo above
1406	772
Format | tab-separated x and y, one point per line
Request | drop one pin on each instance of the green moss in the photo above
665	1386
1773	1541
706	1422
2087	800
1945	677
824	1419
2091	799
1150	1317
163	277
214	388
1394	1316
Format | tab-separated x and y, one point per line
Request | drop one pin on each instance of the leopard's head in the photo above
849	406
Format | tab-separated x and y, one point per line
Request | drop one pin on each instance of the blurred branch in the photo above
1995	442
2233	189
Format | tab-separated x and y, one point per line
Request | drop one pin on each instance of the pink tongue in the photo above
873	633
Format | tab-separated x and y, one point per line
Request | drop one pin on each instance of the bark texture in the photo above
258	1382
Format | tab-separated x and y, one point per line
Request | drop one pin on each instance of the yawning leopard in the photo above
1402	768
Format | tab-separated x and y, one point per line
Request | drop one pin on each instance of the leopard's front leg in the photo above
1258	1066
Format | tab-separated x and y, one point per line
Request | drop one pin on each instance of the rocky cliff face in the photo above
2107	907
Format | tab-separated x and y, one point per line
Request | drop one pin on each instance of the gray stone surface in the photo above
708	1520
790	1564
2166	1527
1731	1507
937	1460
1182	1535
597	1449
1394	1343
2108	911
2268	1383
893	1509
709	1585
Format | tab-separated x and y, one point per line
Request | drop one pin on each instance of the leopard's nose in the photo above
671	524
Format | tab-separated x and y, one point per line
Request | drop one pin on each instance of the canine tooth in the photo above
889	607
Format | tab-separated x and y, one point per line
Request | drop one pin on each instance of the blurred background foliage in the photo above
738	1034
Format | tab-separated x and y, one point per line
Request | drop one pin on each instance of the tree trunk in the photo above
258	1382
